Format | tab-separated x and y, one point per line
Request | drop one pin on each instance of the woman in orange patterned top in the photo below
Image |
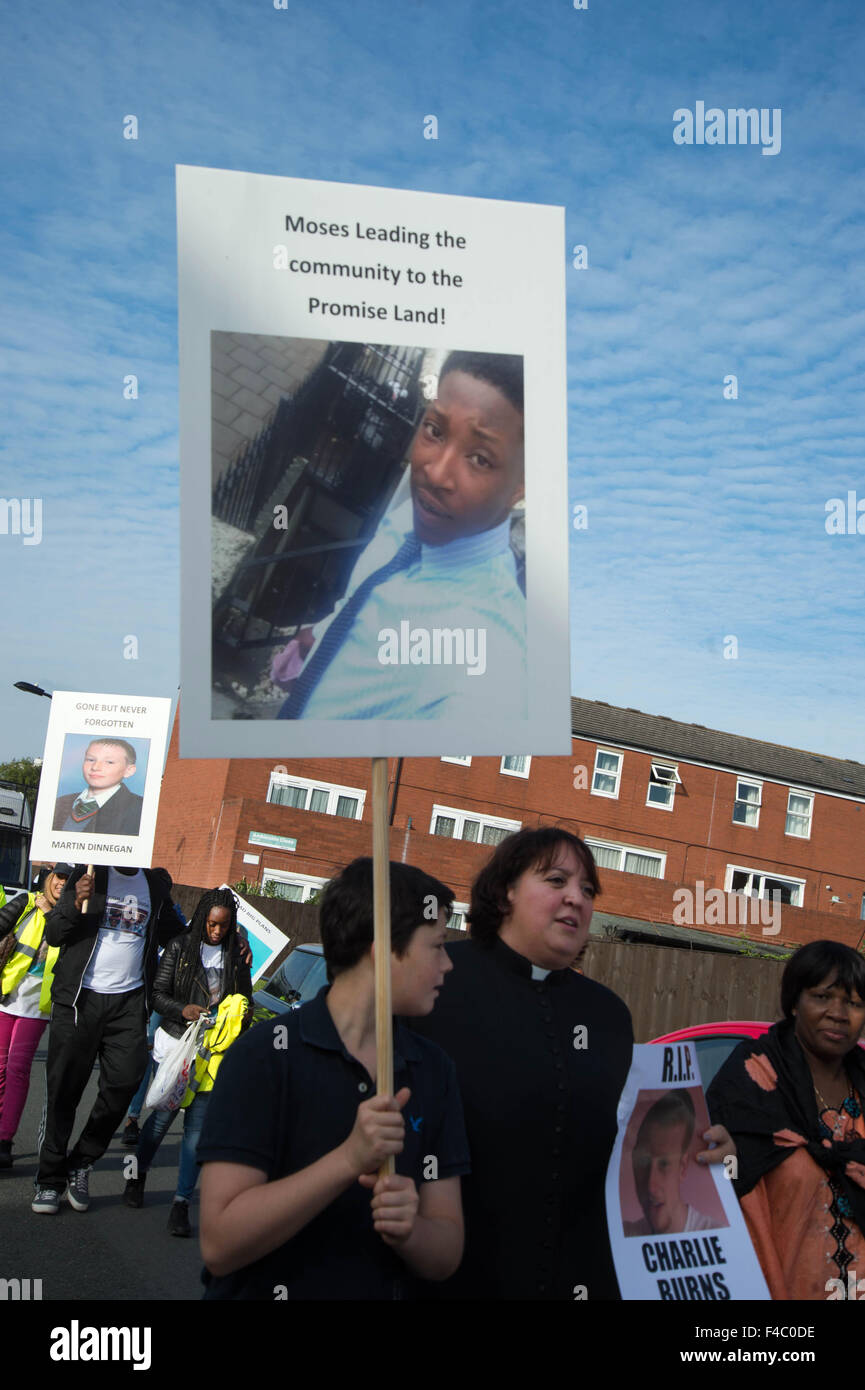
793	1102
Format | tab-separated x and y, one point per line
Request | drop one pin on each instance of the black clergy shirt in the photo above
286	1094
541	1120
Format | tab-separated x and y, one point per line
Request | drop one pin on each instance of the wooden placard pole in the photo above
86	901
381	931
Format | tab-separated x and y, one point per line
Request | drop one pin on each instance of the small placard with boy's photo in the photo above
373	455
101	772
676	1231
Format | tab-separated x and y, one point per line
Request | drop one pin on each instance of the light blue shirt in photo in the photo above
468	584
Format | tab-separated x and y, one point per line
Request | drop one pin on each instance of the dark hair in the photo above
116	743
675	1108
500	369
346	911
525	849
192	939
810	966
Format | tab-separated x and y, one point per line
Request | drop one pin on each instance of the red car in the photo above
714	1042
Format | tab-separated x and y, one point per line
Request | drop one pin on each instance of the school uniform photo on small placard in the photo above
373	470
106	778
99	787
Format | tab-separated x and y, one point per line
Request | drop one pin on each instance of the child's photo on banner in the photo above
100	779
109	775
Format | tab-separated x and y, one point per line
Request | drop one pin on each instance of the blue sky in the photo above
706	516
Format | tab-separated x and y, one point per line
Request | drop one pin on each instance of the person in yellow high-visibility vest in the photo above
25	997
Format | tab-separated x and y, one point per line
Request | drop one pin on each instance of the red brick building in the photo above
700	836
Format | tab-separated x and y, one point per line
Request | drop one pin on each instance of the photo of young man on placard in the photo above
390	581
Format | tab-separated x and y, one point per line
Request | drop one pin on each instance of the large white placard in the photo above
101	774
676	1230
363	369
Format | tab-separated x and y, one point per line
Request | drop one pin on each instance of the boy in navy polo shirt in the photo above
291	1204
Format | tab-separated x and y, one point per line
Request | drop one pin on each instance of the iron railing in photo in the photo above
330	459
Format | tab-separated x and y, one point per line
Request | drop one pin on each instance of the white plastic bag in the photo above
168	1087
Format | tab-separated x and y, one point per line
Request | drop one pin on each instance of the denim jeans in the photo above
158	1124
136	1105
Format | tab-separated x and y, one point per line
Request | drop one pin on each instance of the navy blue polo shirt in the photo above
287	1093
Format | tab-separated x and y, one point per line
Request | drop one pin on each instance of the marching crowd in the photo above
500	1128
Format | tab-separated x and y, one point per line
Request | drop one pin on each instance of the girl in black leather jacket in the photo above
197	971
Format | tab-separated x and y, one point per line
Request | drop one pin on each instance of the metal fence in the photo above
246	482
331	457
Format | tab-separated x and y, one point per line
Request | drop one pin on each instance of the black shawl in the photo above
754	1115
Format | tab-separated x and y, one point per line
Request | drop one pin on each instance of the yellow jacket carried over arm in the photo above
216	1041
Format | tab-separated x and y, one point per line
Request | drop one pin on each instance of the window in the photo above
464	825
607	774
713	1052
324	797
663	780
627	858
296	888
457	918
746	808
758	884
799	808
464	762
516	765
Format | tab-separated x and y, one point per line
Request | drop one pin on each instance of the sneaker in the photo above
5	1153
178	1219
78	1191
47	1199
133	1192
131	1133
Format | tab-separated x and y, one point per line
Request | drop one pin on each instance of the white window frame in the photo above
760	875
283	779
308	882
613	753
461	762
511	772
656	781
592	841
460	818
459	907
797	791
748	782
